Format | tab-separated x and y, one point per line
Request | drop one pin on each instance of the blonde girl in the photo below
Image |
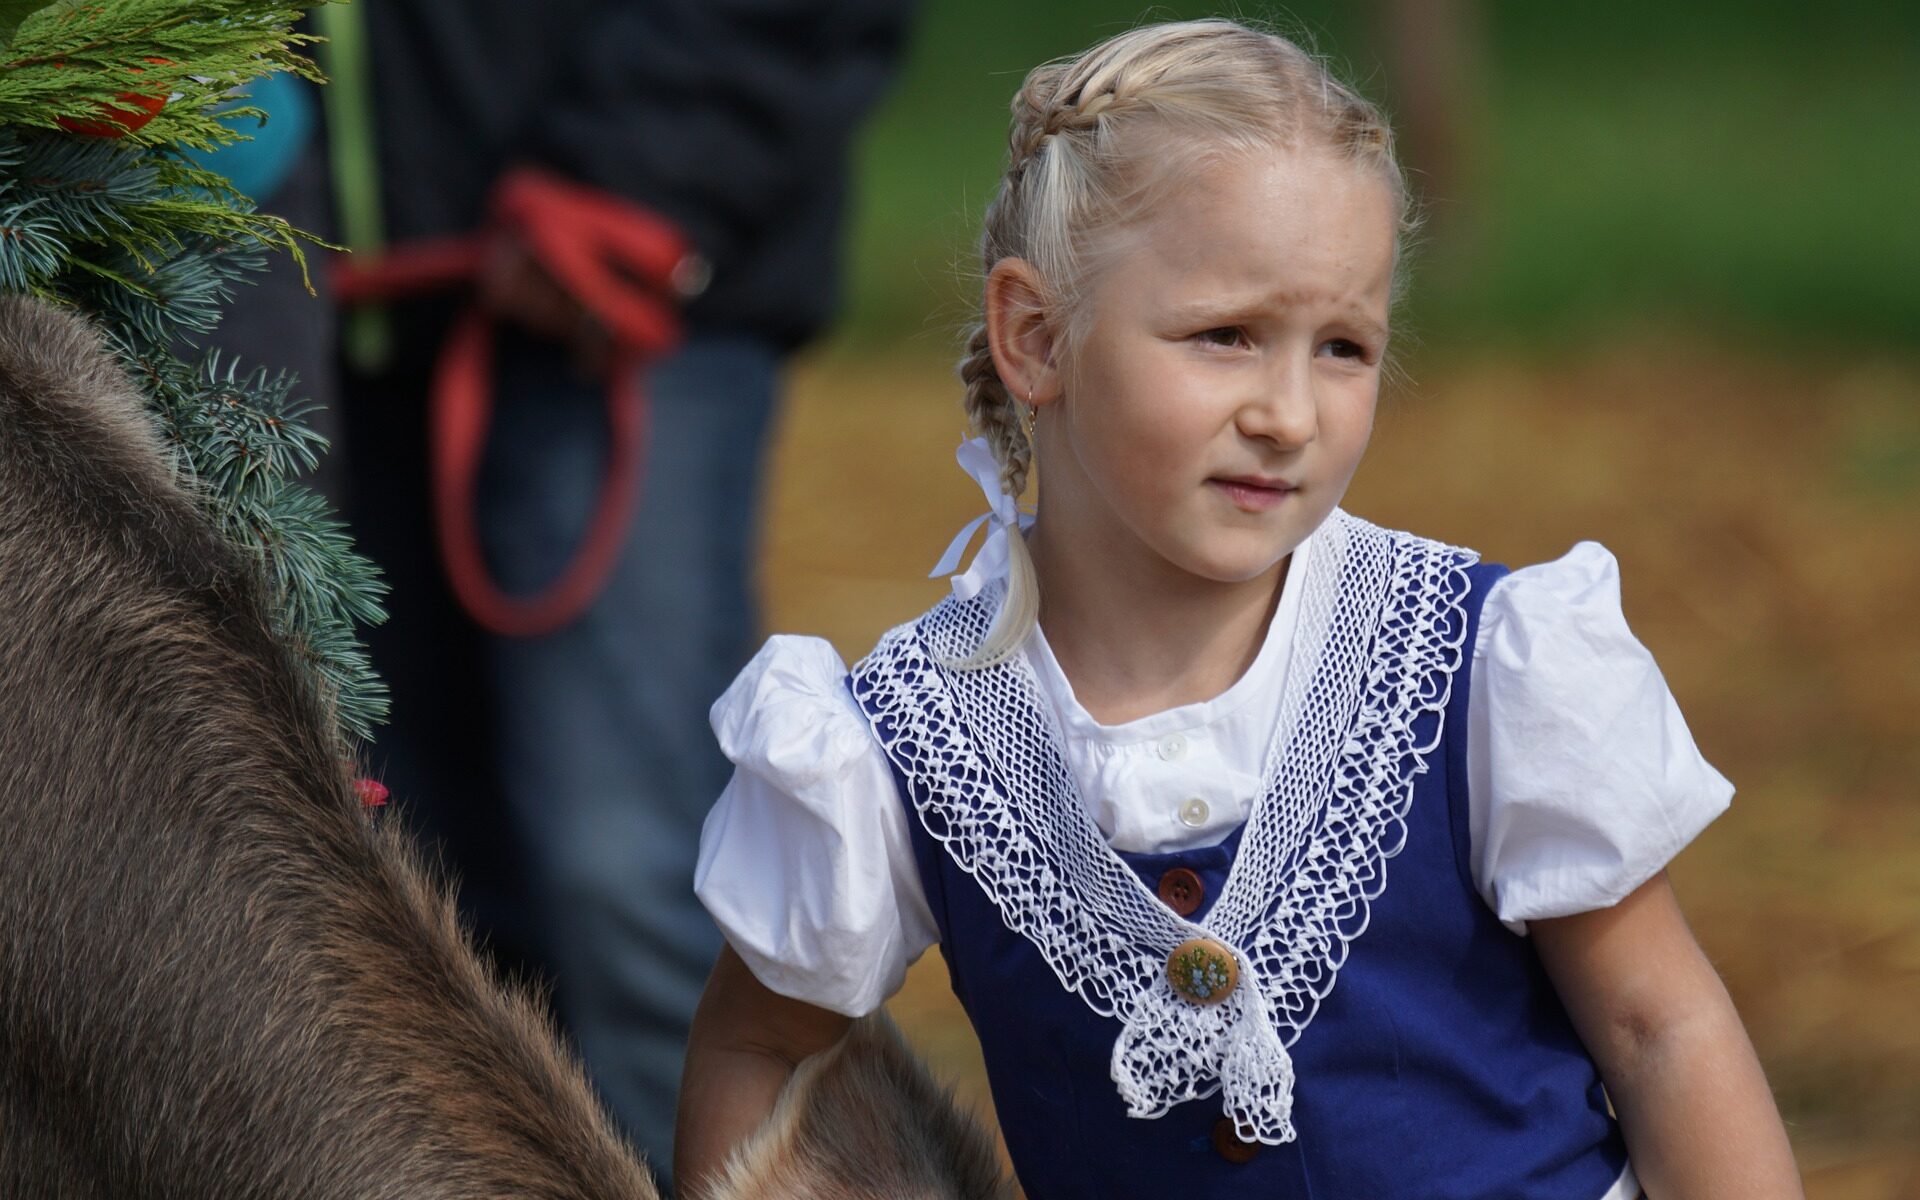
1272	853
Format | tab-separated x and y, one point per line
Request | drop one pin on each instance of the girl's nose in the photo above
1284	410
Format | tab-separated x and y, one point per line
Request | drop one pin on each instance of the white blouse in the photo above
1583	781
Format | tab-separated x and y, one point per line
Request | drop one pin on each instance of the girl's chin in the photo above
1232	569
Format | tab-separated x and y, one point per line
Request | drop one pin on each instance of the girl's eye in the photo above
1342	348
1225	335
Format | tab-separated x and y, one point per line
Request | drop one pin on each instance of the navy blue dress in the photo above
1439	1063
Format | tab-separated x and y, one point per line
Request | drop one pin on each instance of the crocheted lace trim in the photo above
1381	630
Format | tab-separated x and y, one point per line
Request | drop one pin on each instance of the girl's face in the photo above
1218	403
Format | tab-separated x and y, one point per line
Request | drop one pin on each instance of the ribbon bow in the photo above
976	459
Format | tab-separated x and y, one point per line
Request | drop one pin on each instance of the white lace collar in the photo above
1380	634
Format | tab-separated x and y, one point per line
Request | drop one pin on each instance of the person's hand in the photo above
516	287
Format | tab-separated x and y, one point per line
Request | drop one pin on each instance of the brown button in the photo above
1227	1143
1182	891
1202	970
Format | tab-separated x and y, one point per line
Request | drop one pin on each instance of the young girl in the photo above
1272	853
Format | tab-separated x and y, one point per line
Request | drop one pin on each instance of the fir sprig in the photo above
240	440
152	246
30	244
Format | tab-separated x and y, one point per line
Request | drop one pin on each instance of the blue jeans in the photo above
603	751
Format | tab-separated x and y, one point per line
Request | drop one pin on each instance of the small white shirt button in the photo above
1193	813
1173	747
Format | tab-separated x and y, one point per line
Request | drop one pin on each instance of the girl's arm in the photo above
745	1043
1698	1117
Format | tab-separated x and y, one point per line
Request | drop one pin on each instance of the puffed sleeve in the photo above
1583	780
805	861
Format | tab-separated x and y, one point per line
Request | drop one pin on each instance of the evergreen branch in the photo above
70	30
107	275
152	245
74	58
89	183
239	440
30	245
127	213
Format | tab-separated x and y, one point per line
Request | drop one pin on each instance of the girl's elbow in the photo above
738	1013
1653	1042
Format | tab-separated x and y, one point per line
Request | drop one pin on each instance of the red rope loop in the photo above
620	262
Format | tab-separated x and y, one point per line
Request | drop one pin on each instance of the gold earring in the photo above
1032	417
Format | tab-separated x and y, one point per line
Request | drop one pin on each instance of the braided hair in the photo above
1095	140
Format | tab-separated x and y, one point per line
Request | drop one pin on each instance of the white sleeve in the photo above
806	863
1583	781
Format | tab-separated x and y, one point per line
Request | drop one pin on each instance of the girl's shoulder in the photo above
1580	589
1573	600
1553	639
788	716
793	699
1584	779
806	861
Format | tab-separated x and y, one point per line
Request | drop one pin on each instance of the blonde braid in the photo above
1032	104
994	414
1067	99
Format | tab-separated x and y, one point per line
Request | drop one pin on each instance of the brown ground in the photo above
1767	520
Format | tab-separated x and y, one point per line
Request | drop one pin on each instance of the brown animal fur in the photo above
215	980
864	1120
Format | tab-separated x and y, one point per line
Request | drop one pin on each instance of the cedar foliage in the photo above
151	245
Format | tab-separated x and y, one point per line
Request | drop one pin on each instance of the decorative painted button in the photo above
1227	1143
1182	891
1173	747
1193	812
1202	970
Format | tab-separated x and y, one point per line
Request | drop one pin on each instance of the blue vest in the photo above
1441	1064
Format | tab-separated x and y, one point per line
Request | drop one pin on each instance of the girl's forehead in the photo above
1285	220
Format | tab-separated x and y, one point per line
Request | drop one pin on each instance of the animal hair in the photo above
863	1119
216	980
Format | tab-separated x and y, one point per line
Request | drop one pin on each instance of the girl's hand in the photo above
745	1043
1698	1116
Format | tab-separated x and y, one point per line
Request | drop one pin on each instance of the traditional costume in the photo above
1271	943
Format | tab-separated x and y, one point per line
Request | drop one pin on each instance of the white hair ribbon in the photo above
976	459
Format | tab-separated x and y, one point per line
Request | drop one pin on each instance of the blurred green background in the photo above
1753	168
1668	299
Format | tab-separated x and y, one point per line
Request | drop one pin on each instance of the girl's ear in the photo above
1020	332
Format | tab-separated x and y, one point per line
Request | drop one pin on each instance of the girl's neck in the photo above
1134	647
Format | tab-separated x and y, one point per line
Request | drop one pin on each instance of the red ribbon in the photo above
624	266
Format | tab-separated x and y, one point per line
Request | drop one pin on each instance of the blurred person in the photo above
1271	852
565	774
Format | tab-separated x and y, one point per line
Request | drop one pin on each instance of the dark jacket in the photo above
733	118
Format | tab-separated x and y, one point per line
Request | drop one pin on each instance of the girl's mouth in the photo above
1253	495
